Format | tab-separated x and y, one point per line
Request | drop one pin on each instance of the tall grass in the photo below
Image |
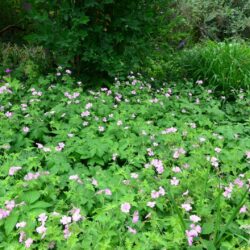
224	65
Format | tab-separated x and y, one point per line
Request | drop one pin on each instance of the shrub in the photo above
216	19
11	26
223	65
101	38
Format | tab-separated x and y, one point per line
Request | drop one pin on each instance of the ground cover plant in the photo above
126	166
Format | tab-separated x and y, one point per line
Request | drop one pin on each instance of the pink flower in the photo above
85	124
197	228
190	235
76	216
75	178
150	152
158	165
28	242
39	145
85	113
66	232
214	162
239	182
155	194
126	182
243	209
60	146
46	149
125	207
88	105
186	206
174	181
228	191
42	218
178	152
134	175
248	154
194	218
119	122
101	128
21	224
8	114
10	205
193	232
65	220
132	230
135	217
169	130
13	170
217	150
4	213
94	182
41	230
114	156
26	129
192	125
108	191
151	204
22	236
161	191
31	176
176	169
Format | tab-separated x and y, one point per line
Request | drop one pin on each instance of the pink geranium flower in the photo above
125	207
135	217
194	218
13	170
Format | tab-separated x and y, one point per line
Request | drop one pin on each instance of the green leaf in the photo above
209	245
207	228
31	196
41	204
10	222
84	20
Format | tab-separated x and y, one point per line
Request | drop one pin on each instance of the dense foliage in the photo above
102	38
124	167
216	19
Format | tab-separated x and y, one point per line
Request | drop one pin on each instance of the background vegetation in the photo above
104	39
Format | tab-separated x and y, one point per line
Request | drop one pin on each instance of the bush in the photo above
223	65
25	62
11	26
216	19
101	38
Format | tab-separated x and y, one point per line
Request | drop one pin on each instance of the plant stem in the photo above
177	210
235	212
